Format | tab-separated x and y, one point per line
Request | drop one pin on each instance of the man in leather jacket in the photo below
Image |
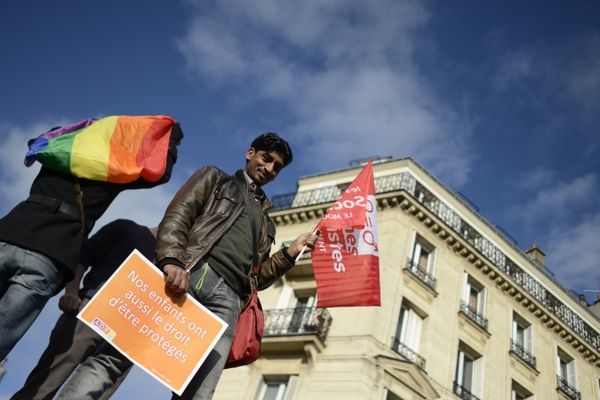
205	246
207	226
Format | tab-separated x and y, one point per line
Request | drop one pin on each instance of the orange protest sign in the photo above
166	337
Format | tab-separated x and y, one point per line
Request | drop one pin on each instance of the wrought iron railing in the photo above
423	276
523	354
406	181
463	393
408	353
283	201
564	386
473	315
297	321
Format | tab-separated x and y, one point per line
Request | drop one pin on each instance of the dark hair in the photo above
270	141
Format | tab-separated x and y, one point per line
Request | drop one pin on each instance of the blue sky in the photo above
499	100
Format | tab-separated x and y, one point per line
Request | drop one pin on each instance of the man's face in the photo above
263	166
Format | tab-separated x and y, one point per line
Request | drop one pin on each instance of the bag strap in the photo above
253	275
79	201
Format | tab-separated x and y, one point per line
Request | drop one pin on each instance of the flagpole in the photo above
305	246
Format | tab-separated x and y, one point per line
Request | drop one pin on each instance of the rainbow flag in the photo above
118	149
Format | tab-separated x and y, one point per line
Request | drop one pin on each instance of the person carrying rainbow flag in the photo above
84	167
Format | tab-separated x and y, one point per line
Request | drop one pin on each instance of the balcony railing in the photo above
297	321
523	354
464	393
473	315
408	353
407	181
423	276
564	386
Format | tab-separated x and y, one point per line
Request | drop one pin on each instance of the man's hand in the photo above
69	303
306	239
176	278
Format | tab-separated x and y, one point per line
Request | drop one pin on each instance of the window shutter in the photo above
460	365
466	288
289	392
413	331
477	378
416	256
481	302
529	339
571	374
558	369
431	262
285	298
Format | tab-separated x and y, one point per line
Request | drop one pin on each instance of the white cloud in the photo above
583	80
15	178
562	199
513	66
535	179
573	254
344	70
567	73
144	206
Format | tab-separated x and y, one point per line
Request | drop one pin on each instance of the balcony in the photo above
290	329
421	275
523	354
564	386
464	393
473	315
408	353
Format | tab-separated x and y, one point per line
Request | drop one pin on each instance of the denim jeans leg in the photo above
96	375
219	298
30	279
71	341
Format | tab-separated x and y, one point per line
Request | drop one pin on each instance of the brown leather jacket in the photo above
199	215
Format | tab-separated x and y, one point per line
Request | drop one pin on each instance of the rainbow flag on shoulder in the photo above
117	149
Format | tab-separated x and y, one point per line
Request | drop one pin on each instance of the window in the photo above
408	334
566	367
276	388
408	330
295	310
473	301
566	380
518	392
421	262
521	340
422	256
303	313
469	373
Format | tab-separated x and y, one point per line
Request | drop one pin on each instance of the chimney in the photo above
536	254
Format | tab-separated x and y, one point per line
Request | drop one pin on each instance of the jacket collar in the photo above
253	189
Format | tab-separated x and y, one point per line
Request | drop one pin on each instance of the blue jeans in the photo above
100	370
28	280
71	342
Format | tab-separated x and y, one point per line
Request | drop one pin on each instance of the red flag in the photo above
346	257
